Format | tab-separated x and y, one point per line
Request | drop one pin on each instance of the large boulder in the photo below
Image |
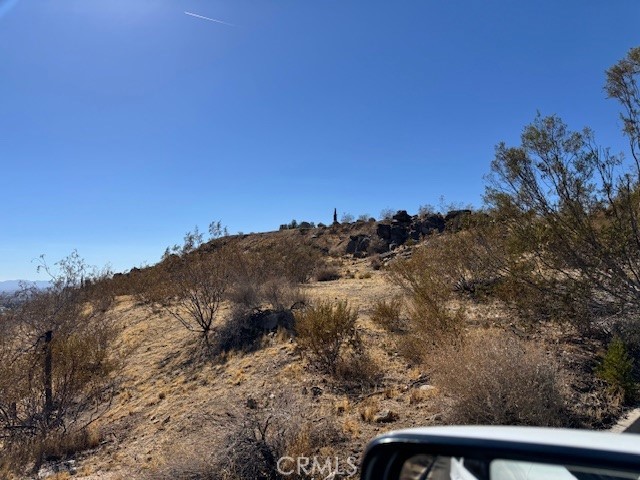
358	244
384	231
399	234
431	224
402	217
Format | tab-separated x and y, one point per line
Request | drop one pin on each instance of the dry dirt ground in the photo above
172	408
169	406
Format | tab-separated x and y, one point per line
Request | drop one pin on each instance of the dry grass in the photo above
171	408
421	395
351	428
496	379
388	314
368	409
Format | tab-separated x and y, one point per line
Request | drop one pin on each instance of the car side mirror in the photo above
501	453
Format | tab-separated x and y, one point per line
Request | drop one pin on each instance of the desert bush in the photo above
617	370
414	347
281	294
325	331
427	279
190	284
386	214
368	409
496	379
244	329
57	366
290	259
262	432
65	444
272	431
570	208
388	314
327	273
628	330
272	274
358	371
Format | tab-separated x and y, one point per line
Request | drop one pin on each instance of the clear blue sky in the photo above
125	123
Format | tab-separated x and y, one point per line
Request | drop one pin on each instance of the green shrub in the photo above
617	370
325	331
428	278
388	314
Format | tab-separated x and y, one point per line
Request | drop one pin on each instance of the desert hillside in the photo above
269	374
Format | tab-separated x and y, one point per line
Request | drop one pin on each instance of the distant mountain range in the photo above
8	286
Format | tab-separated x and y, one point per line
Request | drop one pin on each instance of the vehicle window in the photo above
438	467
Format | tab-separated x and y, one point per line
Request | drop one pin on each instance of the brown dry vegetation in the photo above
184	411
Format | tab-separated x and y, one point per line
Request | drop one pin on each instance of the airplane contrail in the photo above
210	19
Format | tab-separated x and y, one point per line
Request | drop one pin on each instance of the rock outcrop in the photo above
403	227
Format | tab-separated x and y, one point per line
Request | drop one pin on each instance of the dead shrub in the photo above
287	258
191	286
64	445
420	395
497	379
388	314
265	432
358	371
281	294
413	348
325	331
368	409
260	279
244	329
327	274
58	369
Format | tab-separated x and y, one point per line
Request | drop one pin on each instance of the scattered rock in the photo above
385	416
68	466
